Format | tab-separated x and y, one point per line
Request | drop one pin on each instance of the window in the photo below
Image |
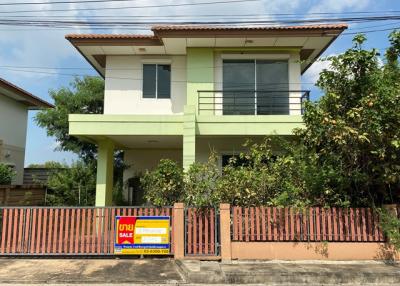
255	87
156	81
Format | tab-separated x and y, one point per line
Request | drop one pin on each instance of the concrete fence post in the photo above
179	230
225	229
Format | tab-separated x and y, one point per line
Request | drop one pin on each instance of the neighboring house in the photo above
187	90
14	105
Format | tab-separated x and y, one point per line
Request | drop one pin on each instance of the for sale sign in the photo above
142	235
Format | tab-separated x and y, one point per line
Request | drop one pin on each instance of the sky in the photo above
23	50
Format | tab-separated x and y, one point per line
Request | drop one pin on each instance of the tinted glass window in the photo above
163	81
149	81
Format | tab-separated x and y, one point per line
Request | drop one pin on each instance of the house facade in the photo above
14	105
187	91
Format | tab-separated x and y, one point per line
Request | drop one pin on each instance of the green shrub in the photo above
201	184
6	174
164	185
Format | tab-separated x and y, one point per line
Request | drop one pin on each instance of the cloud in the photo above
312	74
339	5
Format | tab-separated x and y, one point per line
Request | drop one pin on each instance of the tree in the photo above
48	165
84	96
6	174
72	186
164	185
354	127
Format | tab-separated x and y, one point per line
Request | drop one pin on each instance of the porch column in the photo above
189	136
105	168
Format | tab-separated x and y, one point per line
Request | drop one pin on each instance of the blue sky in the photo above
27	47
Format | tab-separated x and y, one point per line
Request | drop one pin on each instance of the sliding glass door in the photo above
255	87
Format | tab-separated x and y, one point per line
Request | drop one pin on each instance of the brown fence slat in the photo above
27	233
318	223
369	227
95	225
112	231
206	234
66	232
72	234
246	224
61	236
10	220
3	231
20	229
195	231
44	230
335	225
340	224
99	223
55	228
189	231
358	224
323	224
305	226
106	230
329	224
213	229
252	224
263	226
235	222
275	226
14	233
33	234
49	231
311	219
200	231
258	230
77	230
39	231
364	225
240	228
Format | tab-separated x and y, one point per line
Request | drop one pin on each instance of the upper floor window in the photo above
156	81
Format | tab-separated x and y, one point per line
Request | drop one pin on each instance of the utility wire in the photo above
130	7
10	21
238	84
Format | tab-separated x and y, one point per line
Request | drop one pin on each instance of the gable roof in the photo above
160	31
12	91
95	47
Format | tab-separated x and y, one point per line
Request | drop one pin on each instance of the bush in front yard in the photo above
6	174
164	185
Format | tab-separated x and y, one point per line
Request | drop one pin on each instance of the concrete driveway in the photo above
146	271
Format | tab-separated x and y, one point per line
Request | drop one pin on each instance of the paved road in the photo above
168	272
41	271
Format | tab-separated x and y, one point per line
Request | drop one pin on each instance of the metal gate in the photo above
201	232
65	230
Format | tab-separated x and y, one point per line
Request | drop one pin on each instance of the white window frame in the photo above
157	63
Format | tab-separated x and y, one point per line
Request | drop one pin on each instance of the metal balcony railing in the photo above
252	102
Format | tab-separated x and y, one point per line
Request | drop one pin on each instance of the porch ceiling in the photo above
148	142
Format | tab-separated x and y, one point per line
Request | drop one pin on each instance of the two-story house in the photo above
187	90
14	105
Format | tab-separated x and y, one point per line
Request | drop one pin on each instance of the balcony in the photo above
252	102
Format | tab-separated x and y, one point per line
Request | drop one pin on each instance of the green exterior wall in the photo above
104	179
189	137
200	72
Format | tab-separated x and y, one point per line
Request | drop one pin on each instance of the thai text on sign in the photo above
142	235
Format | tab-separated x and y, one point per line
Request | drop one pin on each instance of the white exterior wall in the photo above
124	81
141	160
13	122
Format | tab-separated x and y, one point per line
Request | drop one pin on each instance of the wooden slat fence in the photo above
65	231
201	232
308	225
